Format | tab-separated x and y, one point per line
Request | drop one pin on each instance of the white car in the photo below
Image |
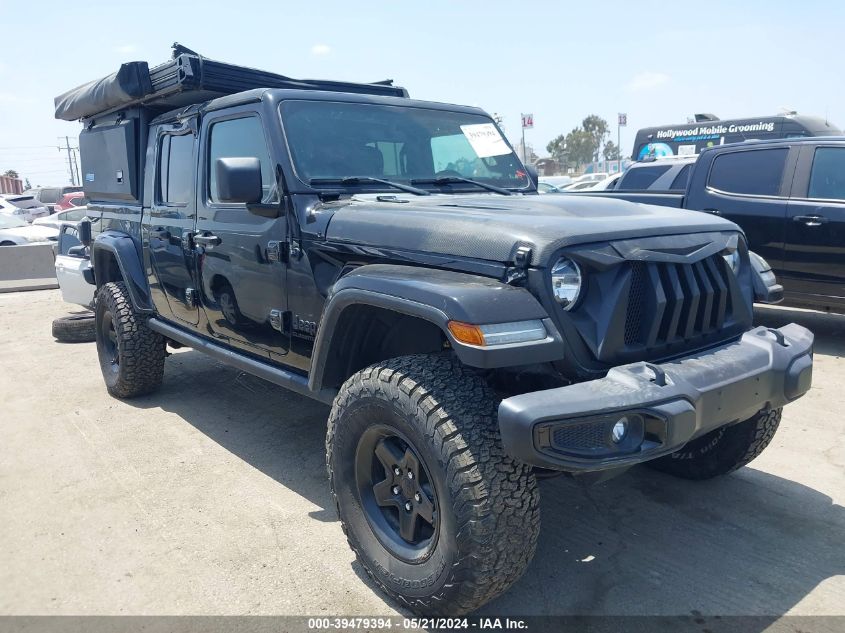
16	232
608	183
72	262
69	216
558	182
24	207
580	185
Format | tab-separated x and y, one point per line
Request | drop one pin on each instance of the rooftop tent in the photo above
130	83
186	79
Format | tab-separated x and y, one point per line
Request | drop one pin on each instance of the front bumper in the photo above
664	405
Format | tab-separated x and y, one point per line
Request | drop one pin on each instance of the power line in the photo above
25	146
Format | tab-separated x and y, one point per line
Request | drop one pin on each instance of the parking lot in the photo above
210	497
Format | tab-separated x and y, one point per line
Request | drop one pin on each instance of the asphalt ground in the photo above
210	497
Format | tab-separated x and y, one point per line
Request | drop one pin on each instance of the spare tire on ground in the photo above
78	327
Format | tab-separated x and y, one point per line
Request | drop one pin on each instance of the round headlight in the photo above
732	258
566	282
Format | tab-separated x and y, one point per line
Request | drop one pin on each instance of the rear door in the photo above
170	221
814	261
750	187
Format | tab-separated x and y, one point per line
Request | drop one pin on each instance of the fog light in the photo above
620	429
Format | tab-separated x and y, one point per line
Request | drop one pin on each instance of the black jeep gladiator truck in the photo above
788	196
391	258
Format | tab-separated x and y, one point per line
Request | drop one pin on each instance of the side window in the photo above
680	182
756	172
68	238
827	178
638	178
50	196
392	158
74	215
240	138
175	169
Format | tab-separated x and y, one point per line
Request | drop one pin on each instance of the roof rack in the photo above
186	79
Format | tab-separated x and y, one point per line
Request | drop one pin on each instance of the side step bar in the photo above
276	375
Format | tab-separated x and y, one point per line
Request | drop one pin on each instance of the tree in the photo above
557	148
579	147
610	151
26	183
11	173
597	128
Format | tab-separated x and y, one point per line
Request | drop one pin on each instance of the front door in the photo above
171	221
750	187
241	272
814	262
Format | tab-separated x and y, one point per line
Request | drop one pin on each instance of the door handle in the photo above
712	211
810	220
208	240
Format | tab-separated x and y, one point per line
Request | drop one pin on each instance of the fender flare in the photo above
121	246
438	296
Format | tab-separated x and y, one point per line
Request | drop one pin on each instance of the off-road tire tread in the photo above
142	351
75	328
497	499
734	447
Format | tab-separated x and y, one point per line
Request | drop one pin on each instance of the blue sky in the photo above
658	61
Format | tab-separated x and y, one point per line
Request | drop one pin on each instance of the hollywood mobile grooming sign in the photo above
709	131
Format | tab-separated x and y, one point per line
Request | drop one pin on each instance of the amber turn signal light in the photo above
466	333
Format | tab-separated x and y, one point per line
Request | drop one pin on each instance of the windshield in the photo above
11	222
332	141
24	203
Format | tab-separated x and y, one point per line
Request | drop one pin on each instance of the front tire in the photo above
131	355
463	525
722	450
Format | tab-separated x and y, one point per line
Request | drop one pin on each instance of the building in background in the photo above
10	185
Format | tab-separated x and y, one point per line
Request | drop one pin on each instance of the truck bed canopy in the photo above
186	79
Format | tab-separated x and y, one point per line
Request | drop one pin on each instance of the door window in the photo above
50	196
756	173
827	178
241	138
175	168
638	178
680	182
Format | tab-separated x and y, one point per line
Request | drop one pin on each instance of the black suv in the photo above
391	258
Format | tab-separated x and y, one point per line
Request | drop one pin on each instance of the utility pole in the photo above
527	122
621	122
71	163
75	154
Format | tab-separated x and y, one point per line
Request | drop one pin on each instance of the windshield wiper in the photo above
448	180
356	180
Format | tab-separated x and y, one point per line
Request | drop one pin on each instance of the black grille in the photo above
636	303
580	436
669	302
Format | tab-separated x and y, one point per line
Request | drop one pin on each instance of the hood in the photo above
492	227
33	233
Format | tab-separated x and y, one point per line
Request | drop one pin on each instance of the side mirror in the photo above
532	174
238	180
84	230
80	252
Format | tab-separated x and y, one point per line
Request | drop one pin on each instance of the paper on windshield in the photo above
485	140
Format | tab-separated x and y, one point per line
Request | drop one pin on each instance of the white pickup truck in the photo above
72	267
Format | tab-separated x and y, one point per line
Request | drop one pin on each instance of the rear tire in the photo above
75	328
131	355
437	419
722	450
